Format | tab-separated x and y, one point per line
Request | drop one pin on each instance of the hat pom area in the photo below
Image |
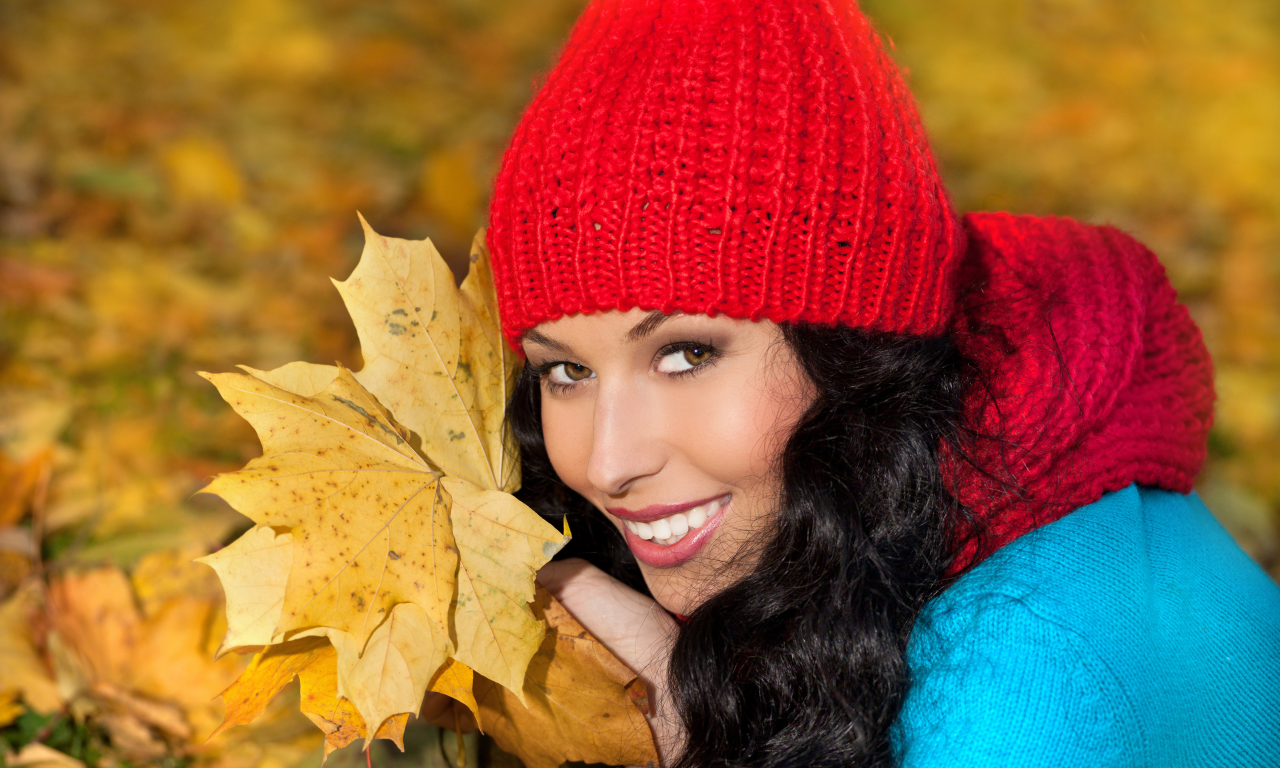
757	158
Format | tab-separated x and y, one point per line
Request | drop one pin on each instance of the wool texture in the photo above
1091	375
756	158
1133	632
763	159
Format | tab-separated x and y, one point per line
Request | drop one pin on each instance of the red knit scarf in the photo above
1092	378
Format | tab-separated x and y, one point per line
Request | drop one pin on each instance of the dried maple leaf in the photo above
254	570
583	704
21	668
390	675
371	550
314	662
336	716
434	355
369	520
18	483
403	557
456	681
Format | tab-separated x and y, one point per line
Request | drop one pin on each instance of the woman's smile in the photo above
666	535
671	426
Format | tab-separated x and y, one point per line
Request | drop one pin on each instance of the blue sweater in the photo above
1132	632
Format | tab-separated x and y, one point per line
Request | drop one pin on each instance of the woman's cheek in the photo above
734	428
567	435
716	429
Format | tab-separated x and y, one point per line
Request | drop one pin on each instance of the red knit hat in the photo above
757	158
763	159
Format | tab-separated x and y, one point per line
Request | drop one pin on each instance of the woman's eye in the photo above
685	360
569	373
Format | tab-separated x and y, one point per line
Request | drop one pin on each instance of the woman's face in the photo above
671	425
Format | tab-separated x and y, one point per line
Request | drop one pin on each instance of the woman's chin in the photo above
673	595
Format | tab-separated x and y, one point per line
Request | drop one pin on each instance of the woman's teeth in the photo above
669	530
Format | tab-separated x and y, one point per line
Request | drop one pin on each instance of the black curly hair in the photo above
801	662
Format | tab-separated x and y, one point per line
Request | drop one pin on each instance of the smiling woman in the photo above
804	445
857	480
670	425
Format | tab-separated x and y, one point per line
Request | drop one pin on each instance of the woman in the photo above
859	481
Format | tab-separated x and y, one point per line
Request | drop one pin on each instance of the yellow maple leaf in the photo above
456	681
306	379
337	717
416	332
495	539
369	519
314	662
268	673
389	675
403	557
254	571
488	367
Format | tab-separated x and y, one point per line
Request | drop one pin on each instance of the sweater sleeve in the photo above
1017	689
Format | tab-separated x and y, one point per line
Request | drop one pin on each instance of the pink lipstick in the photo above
666	535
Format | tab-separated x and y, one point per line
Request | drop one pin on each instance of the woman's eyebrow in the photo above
542	339
650	324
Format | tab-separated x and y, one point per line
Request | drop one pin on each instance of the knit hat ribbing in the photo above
757	158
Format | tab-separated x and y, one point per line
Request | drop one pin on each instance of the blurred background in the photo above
179	181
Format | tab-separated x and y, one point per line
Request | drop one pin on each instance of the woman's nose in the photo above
626	441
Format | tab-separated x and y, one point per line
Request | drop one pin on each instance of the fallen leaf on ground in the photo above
158	714
131	737
10	706
18	556
94	614
18	484
171	574
37	754
30	421
147	677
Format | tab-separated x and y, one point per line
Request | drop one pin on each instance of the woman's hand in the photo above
632	626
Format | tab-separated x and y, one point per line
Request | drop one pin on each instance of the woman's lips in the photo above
656	511
698	521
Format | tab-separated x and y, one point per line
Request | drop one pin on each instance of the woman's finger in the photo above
443	711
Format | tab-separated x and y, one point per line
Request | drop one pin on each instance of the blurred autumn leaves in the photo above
178	181
177	184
